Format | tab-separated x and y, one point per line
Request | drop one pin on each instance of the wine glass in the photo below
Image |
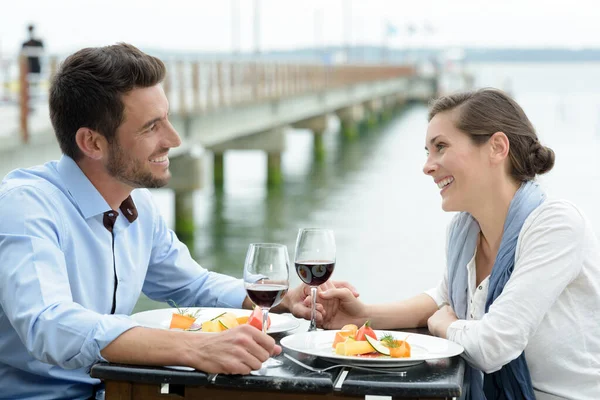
314	261
266	279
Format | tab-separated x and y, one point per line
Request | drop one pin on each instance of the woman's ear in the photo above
499	147
91	143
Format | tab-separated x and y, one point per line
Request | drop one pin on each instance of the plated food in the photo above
162	318
352	341
320	344
188	321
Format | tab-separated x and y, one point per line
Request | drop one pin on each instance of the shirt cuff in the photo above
234	296
456	328
108	328
435	295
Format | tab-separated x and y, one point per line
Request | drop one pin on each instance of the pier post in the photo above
350	118
218	169
274	174
317	125
184	218
318	146
271	142
389	106
186	178
374	110
400	101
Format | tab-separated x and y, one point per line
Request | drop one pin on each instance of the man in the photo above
80	238
33	49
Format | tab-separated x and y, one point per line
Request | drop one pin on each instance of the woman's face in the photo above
458	167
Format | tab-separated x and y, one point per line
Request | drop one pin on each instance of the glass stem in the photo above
265	318
313	311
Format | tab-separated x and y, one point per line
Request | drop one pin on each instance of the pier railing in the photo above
200	86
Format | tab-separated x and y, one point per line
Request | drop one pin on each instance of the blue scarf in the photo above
512	381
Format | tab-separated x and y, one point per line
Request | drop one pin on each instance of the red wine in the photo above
314	272
266	295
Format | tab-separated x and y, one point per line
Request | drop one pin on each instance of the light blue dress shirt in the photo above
57	278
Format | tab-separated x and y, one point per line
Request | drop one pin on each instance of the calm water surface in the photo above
389	226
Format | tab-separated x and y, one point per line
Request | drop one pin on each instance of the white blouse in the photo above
550	307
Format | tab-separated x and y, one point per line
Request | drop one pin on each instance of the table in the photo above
431	379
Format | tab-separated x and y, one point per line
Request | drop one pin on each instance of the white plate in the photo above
179	368
161	318
423	347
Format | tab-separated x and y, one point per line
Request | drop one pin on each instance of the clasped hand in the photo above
439	322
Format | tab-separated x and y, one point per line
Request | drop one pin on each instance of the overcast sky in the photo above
200	25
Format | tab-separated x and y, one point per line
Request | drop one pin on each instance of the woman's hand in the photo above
295	302
298	301
439	322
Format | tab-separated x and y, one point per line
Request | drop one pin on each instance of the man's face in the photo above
138	155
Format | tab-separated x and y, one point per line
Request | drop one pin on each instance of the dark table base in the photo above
439	379
118	390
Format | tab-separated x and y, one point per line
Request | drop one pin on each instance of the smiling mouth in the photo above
445	182
159	160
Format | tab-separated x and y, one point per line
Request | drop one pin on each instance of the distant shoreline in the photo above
374	54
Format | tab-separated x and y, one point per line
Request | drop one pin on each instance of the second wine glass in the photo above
266	279
314	260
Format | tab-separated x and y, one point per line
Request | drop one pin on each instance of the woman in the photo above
521	292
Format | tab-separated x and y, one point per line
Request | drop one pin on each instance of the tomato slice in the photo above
255	319
365	330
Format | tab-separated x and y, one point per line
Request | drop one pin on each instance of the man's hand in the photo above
295	302
298	301
235	351
341	304
439	322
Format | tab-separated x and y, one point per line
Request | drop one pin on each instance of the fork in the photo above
321	370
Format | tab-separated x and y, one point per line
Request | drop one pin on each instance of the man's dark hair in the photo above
88	88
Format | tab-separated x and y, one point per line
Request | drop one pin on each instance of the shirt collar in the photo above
87	197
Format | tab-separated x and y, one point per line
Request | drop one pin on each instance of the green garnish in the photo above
182	311
220	315
389	341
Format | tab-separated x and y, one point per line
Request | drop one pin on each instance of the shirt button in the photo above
471	316
480	287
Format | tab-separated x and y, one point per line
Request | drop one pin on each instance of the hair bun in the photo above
541	158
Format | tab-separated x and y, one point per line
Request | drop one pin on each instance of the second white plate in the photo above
423	347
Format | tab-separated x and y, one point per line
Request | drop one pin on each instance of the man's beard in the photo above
130	171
